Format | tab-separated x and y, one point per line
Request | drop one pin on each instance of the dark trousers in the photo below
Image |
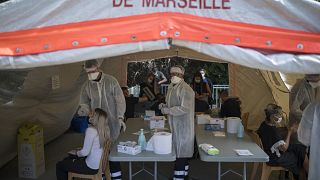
72	164
181	168
115	170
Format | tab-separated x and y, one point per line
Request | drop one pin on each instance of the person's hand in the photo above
165	110
282	148
122	124
73	152
294	127
83	110
91	114
162	105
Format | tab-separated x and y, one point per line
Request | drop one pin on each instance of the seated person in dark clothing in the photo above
281	152
130	102
230	106
200	106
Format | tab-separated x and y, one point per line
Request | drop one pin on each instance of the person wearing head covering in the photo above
302	94
87	159
103	91
281	152
180	110
309	134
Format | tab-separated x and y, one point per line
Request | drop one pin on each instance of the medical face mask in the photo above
93	76
150	80
197	80
277	119
314	84
175	79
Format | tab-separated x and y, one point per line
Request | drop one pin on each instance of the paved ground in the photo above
58	148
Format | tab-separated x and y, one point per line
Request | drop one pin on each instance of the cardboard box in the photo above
129	149
203	119
30	151
156	124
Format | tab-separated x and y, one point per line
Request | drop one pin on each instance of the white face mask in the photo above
197	80
279	119
314	84
150	80
93	76
175	79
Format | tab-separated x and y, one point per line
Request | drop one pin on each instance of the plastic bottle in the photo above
142	140
240	130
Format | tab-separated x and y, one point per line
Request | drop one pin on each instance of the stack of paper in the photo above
243	152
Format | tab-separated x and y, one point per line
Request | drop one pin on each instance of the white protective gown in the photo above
301	95
107	95
180	101
309	134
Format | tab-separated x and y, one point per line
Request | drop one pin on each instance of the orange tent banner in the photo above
155	26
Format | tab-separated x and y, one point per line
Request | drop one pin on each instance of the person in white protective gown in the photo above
180	110
309	134
302	94
103	91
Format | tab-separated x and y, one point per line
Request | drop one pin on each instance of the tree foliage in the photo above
138	71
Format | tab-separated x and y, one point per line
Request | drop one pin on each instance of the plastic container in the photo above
79	123
209	149
240	130
142	140
233	124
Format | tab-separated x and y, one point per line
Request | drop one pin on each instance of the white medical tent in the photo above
268	45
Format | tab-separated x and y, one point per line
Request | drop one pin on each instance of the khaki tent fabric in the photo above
37	102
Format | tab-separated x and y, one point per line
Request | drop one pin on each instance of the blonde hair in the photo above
100	122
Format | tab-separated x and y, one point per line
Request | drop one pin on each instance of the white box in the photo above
203	119
129	149
217	121
156	124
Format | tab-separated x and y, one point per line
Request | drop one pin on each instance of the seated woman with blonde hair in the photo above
87	159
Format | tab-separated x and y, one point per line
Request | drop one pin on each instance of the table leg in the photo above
219	170
244	171
155	171
130	170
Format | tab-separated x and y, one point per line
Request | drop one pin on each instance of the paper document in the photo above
243	152
219	134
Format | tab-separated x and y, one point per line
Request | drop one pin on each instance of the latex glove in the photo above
83	110
122	124
162	105
165	110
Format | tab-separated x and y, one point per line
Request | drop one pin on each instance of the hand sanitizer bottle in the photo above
240	130
142	140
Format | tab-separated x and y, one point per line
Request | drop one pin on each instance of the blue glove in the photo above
165	110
